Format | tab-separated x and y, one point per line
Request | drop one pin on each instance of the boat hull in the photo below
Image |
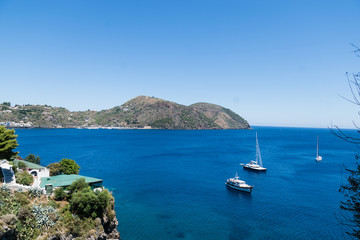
243	189
254	169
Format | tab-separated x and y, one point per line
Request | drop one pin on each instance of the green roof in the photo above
29	164
65	180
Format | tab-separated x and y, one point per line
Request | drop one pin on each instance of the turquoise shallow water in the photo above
170	184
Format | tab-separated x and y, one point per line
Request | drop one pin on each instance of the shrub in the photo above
32	158
22	198
85	203
24	213
9	203
65	166
27	230
55	169
72	222
14	168
53	204
77	185
24	178
60	194
69	166
21	165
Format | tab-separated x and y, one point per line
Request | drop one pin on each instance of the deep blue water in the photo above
169	184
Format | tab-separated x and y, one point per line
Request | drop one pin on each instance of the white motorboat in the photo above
238	184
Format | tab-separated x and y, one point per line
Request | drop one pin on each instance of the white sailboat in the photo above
238	184
257	164
318	158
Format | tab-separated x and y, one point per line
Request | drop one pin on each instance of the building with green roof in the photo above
29	164
64	180
34	169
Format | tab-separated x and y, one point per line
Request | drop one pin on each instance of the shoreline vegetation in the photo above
72	214
52	202
142	112
80	210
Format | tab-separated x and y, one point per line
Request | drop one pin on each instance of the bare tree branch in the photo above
349	214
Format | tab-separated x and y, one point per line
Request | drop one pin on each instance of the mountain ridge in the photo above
139	112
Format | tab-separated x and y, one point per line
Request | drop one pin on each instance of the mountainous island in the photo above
140	112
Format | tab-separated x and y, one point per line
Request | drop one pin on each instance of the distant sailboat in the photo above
257	164
318	158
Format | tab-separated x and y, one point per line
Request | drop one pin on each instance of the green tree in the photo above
77	185
7	104
54	168
21	165
32	158
69	166
87	203
60	194
7	143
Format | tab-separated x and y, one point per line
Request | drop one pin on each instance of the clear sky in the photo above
275	63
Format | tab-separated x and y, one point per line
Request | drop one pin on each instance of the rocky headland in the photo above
140	112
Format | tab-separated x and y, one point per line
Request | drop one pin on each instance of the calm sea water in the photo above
170	184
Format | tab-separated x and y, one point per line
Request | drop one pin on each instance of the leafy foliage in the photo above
77	185
26	229
77	226
7	143
11	203
46	218
24	178
8	104
16	204
54	168
32	158
14	167
59	194
21	165
69	166
87	203
65	166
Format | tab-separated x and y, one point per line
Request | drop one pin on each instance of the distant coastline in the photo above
139	113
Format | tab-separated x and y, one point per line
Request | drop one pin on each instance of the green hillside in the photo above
139	112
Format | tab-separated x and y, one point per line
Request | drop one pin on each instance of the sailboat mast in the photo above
317	147
258	154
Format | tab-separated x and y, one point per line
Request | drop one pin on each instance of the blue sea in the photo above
170	184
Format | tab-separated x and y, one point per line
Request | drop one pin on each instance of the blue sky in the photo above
275	63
